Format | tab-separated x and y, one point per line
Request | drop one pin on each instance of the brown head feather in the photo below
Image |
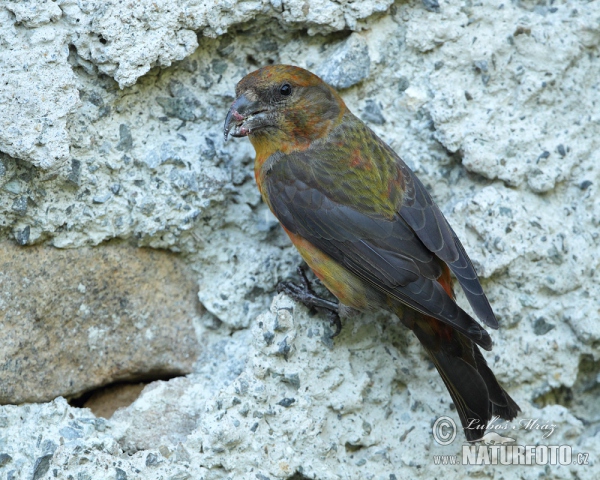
311	111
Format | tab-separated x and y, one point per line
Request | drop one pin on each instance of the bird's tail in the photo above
473	387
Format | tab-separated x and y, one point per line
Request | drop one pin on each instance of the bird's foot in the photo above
334	321
304	294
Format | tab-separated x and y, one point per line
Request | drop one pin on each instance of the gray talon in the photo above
304	294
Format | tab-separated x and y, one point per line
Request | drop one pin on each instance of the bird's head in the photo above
283	107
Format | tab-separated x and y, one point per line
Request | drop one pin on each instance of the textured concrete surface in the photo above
297	405
111	128
75	320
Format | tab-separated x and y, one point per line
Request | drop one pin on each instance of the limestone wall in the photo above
111	139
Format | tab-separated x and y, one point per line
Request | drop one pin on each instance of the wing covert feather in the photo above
384	252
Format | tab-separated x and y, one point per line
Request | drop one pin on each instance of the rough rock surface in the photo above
362	407
494	105
74	320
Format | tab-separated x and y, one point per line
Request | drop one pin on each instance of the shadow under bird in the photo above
368	228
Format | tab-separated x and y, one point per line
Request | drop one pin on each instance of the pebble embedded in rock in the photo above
287	402
348	64
41	467
5	458
126	140
372	113
431	5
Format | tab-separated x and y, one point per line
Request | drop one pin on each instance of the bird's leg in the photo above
304	294
334	321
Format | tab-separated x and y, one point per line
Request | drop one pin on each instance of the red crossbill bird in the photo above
367	228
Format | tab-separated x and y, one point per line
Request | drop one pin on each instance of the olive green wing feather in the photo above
373	178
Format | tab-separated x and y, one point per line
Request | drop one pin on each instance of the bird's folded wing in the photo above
432	228
385	252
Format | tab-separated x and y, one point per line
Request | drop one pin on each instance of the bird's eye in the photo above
286	89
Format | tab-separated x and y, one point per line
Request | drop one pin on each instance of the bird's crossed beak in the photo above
244	117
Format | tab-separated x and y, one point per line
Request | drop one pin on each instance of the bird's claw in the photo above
334	321
303	293
297	292
305	281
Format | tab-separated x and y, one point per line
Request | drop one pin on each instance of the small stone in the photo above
115	188
4	459
481	65
151	460
168	155
561	150
95	99
403	83
14	186
152	160
180	476
164	451
126	140
541	327
268	337
539	181
183	104
101	198
182	108
120	474
209	152
286	402
20	205
284	348
69	433
372	113
22	236
348	64
431	5
49	447
100	424
41	466
545	154
147	207
181	454
585	184
292	379
226	46
219	66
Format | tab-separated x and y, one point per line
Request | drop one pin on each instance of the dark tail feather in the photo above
473	387
501	403
468	391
